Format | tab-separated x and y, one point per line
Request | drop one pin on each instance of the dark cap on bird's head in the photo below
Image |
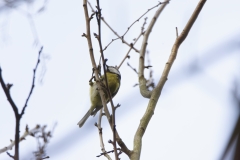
114	70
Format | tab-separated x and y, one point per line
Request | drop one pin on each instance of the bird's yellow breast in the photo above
113	83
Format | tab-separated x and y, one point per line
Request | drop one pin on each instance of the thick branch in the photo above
142	81
157	91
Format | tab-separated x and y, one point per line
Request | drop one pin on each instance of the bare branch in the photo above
142	81
98	125
42	137
109	152
134	69
23	137
122	37
159	3
33	81
10	155
157	91
18	116
7	93
135	41
119	37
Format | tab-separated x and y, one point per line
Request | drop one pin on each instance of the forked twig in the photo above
159	3
18	116
132	44
122	37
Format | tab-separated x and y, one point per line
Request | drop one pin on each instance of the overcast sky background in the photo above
195	113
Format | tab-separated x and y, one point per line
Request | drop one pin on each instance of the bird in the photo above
114	80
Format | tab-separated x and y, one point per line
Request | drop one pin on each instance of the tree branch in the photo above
119	37
33	81
157	91
98	125
23	137
132	44
99	37
142	80
6	89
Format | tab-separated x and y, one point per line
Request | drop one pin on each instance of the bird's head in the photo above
114	70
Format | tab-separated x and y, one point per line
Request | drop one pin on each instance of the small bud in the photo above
9	86
26	128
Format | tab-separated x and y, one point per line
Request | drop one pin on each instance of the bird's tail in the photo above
83	120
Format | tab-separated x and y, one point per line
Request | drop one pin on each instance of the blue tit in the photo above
114	78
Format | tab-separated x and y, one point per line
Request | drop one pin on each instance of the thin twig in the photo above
134	69
23	137
98	16
98	125
42	137
176	32
122	37
10	155
108	152
127	55
150	81
159	3
119	37
135	41
33	81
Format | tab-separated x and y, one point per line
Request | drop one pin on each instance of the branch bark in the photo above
142	80
6	88
155	94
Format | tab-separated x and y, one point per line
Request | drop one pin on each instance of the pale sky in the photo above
195	113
